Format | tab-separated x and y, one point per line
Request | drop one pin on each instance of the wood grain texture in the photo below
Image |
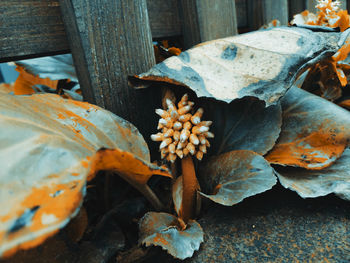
110	40
255	14
296	7
205	20
241	13
31	27
275	9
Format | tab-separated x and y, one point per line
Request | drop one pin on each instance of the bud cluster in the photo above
181	132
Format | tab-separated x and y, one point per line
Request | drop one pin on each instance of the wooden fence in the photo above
111	39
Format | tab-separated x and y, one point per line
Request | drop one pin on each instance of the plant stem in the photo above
150	196
190	187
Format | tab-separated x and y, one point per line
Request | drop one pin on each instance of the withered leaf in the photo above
310	183
243	124
53	67
314	132
47	146
233	176
262	64
162	229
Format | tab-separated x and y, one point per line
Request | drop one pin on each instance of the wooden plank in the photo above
296	7
111	40
164	18
255	14
241	13
32	28
205	20
275	9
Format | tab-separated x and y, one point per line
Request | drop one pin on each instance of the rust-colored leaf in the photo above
314	133
47	146
162	229
231	177
309	183
261	64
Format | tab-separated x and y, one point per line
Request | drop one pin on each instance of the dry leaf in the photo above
47	145
314	132
234	176
261	64
309	183
162	229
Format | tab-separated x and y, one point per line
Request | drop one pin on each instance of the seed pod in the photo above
183	101
185	118
185	134
157	137
205	123
191	148
194	139
181	145
185	151
200	129
185	109
168	133
208	134
172	147
203	148
174	115
199	155
202	139
177	126
171	157
187	125
176	136
165	143
180	153
170	105
162	113
196	118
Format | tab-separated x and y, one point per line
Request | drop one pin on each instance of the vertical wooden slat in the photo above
296	7
205	20
255	14
275	9
109	41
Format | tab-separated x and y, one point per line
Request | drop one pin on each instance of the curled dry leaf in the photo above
162	229
233	176
310	183
243	125
53	67
261	64
47	145
314	132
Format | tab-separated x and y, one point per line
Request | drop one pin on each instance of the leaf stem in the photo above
150	196
190	187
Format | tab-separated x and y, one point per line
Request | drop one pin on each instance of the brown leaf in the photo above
314	133
231	177
310	183
261	64
47	145
162	229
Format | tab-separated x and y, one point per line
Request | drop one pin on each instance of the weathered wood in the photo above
241	13
255	14
310	5
296	7
109	41
205	20
164	18
31	27
275	9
